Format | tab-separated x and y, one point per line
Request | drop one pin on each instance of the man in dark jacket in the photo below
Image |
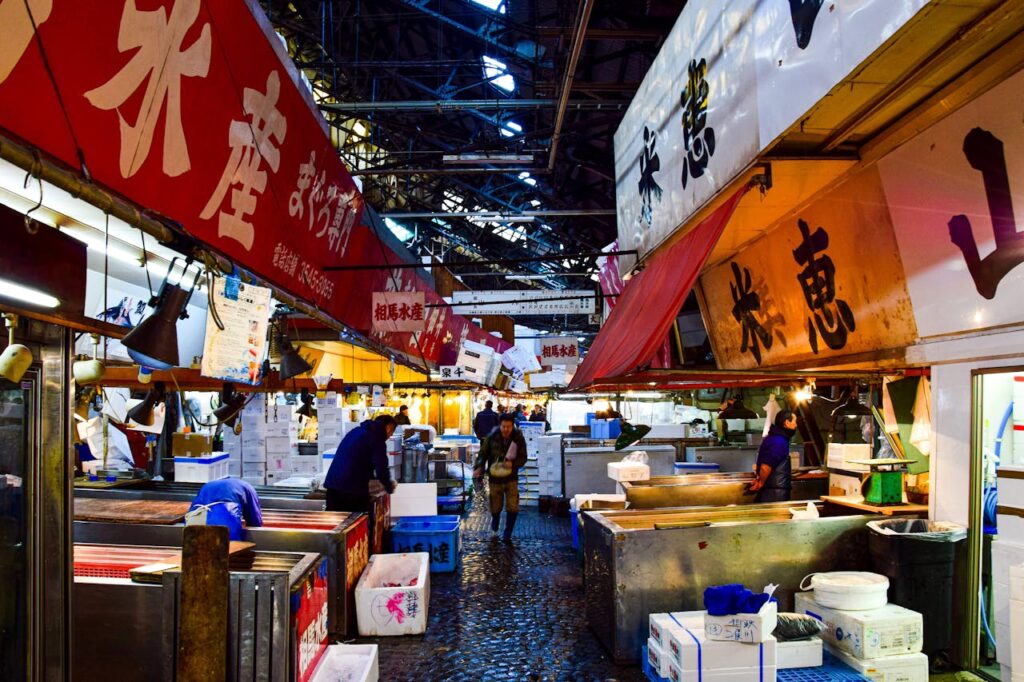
486	421
360	453
502	455
773	473
402	418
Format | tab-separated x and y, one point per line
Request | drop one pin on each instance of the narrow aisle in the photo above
508	613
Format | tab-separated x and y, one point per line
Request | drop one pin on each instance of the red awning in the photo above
643	315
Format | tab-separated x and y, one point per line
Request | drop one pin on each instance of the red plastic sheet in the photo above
638	325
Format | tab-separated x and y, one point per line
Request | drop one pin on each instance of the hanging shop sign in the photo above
235	352
730	78
452	373
398	311
825	282
195	111
560	350
524	302
957	202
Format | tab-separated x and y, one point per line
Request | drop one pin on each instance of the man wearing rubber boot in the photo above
502	454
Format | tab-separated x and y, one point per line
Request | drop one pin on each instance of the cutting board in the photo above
130	511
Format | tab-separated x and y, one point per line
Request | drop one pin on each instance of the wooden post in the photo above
203	622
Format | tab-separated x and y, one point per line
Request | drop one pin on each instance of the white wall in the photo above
952	363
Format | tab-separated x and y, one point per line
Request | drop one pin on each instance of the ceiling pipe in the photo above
441	105
570	72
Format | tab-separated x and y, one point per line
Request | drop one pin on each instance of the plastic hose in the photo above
984	619
990	496
1002	427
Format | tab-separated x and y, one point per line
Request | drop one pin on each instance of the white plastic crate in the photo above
393	594
348	663
201	469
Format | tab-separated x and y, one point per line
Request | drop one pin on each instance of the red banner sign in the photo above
309	613
194	109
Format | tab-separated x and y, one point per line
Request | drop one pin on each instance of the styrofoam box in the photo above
278	463
254	456
751	674
657	658
887	631
1011	490
348	663
414	499
201	469
1017	634
253	424
687	646
1011	526
658	624
1004	555
387	611
628	471
255	480
901	668
743	627
281	445
841	454
803	653
288	430
254	469
234	469
1003	644
667	431
1017	582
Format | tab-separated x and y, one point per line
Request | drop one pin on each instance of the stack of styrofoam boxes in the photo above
479	362
282	438
549	465
330	428
233	446
883	644
843	455
1007	555
254	440
679	649
529	475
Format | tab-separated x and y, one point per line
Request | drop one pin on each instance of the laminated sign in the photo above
235	353
398	311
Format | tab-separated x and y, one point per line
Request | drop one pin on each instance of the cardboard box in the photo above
743	627
888	631
901	668
628	471
191	445
803	653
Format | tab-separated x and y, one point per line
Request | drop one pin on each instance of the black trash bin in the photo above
918	557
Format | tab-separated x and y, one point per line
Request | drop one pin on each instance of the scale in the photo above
885	486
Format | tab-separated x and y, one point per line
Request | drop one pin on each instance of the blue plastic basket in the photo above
438	536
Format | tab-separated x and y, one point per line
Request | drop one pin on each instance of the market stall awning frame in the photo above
642	316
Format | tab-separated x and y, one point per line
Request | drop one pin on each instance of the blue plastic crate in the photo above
832	670
438	536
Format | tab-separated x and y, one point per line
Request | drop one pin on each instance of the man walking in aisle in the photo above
502	455
486	421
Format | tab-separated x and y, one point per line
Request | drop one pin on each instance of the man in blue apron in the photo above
228	502
773	473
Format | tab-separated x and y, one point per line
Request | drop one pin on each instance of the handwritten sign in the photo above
560	350
398	311
235	353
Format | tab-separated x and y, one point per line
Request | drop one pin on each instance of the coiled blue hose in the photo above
990	497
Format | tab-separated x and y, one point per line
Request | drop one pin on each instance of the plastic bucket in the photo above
848	590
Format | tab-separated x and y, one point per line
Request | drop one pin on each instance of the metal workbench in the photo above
711	490
586	469
657	561
341	537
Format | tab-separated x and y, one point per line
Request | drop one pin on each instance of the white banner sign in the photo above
560	350
236	352
398	311
524	302
729	80
956	196
452	372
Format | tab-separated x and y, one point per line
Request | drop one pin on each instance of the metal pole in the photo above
570	72
477	263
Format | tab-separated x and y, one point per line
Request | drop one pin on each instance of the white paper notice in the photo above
236	352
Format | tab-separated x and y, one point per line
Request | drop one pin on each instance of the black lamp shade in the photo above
154	341
143	412
292	364
229	411
738	411
306	409
630	434
852	408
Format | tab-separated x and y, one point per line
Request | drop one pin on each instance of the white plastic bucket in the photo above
848	590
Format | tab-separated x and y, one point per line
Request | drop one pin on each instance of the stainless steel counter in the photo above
709	490
273	497
586	469
654	561
729	458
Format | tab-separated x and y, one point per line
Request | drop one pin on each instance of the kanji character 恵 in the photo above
831	317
